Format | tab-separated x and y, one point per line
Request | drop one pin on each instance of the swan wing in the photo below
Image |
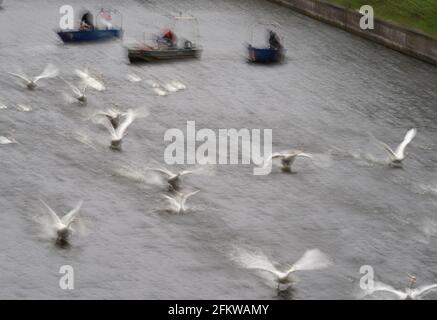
277	156
107	124
75	89
185	172
52	213
389	150
121	129
255	260
311	260
71	216
102	113
303	154
271	157
50	71
185	197
22	77
273	271
164	171
190	194
382	287
90	80
176	204
400	150
178	85
423	290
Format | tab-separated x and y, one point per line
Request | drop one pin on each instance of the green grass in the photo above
415	14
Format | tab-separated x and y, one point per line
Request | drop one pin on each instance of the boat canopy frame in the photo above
110	10
274	24
175	19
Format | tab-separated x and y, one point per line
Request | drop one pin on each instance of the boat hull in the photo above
150	54
88	36
265	55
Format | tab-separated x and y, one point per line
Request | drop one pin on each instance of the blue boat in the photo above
273	52
265	55
89	30
90	35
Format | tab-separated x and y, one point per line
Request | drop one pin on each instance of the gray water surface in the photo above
335	95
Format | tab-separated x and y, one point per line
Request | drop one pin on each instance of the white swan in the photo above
23	107
63	226
170	88
50	71
133	77
173	179
89	80
7	140
178	202
311	260
397	156
114	116
117	134
408	294
178	85
160	92
157	88
79	93
287	158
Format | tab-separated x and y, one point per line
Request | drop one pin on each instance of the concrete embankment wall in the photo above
405	40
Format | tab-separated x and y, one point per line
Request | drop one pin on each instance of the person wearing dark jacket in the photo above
274	41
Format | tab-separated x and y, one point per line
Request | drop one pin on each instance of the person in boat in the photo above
84	26
86	22
169	38
274	42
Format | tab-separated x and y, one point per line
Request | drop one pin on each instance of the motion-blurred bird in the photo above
114	116
287	158
118	134
170	88
311	260
50	71
7	140
133	77
178	85
63	226
397	156
173	179
79	93
408	294
178	202
157	88
89	80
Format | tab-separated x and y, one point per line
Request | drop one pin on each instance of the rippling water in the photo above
334	96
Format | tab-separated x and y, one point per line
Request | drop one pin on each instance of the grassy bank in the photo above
416	14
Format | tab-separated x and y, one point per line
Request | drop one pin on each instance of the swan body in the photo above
311	260
50	71
287	158
79	93
118	133
63	226
173	179
398	155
